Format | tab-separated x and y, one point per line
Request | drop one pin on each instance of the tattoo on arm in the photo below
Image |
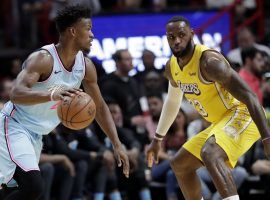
216	68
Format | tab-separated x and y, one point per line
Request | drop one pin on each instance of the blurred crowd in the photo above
80	164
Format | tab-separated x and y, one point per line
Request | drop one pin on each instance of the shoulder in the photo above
214	66
168	73
40	60
210	58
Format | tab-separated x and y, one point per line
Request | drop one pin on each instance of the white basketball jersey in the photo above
42	118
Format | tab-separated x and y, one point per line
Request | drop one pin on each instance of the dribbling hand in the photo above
152	152
57	95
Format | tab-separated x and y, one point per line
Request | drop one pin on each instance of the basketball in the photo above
77	112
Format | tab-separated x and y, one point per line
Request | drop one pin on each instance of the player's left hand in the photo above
266	145
122	158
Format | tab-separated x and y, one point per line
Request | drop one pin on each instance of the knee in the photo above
82	166
47	170
207	154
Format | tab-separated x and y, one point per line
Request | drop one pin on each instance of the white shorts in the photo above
18	147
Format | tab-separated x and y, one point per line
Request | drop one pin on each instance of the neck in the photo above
66	52
182	61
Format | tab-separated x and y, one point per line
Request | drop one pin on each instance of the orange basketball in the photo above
77	112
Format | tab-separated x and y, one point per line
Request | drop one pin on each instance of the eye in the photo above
182	35
171	37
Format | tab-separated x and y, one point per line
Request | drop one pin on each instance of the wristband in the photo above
52	93
267	138
158	137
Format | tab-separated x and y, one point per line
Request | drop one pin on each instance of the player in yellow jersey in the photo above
217	92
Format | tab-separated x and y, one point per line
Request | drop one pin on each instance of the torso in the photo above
42	118
210	99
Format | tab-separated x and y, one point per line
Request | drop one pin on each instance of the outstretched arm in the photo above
103	115
215	68
169	112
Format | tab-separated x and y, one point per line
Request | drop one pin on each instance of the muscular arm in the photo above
215	68
38	65
103	115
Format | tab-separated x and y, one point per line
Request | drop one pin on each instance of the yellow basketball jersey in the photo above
210	99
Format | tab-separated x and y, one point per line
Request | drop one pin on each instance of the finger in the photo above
126	166
75	90
69	94
150	159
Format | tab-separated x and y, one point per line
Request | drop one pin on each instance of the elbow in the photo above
252	100
13	95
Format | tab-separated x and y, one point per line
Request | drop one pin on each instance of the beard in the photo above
185	51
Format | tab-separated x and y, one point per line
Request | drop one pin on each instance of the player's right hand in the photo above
152	152
60	94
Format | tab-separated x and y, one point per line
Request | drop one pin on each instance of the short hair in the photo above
249	52
69	15
179	19
154	94
117	55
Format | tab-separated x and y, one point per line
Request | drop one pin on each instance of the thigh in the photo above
195	144
16	149
185	161
235	133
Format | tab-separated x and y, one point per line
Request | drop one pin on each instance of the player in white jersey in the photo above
48	75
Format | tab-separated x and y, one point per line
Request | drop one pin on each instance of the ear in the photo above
192	32
72	31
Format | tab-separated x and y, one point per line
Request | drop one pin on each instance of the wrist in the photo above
266	138
158	137
52	95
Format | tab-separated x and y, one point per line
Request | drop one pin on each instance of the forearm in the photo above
170	110
26	96
105	121
56	158
257	113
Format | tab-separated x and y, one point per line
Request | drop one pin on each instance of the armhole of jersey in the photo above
84	65
171	74
47	79
202	79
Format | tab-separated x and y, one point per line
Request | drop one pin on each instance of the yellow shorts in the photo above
235	133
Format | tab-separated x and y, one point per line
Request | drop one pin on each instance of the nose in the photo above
91	34
177	41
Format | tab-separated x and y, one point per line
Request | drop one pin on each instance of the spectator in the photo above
176	137
5	89
252	69
136	182
125	91
155	102
83	146
245	39
64	167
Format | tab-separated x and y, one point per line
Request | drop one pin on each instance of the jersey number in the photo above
198	106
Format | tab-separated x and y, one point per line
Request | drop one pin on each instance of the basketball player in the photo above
48	75
216	91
